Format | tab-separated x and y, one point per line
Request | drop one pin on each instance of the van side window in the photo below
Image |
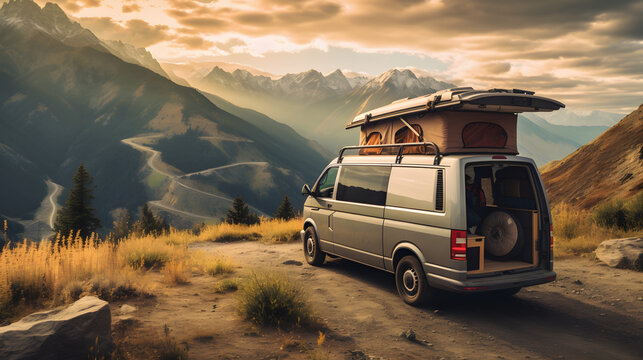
363	184
326	184
415	188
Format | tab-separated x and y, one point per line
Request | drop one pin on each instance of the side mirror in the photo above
305	190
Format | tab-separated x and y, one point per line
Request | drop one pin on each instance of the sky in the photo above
586	53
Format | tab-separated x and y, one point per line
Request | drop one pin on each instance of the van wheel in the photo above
410	281
314	256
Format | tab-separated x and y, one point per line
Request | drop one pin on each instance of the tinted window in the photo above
363	184
326	184
413	188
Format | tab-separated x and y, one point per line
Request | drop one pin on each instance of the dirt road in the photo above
591	312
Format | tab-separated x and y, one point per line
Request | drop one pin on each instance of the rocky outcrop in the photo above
622	253
81	330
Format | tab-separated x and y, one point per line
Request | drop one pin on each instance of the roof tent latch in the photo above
430	106
420	138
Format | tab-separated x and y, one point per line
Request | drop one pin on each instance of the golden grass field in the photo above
576	233
39	275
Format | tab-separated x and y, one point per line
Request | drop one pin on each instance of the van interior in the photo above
502	217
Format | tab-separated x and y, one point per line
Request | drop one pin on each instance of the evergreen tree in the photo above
122	225
148	223
240	213
285	210
77	215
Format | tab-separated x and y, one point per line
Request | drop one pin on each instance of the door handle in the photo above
314	209
330	205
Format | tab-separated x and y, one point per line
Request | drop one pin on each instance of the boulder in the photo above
81	330
622	253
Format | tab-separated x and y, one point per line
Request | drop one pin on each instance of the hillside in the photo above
609	167
138	133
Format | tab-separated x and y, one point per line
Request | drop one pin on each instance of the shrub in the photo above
273	299
175	272
625	215
147	252
226	285
212	264
169	349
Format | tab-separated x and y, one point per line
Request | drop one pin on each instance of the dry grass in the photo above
36	275
175	272
575	233
272	231
212	265
270	298
226	285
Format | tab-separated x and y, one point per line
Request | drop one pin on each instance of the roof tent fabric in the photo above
452	131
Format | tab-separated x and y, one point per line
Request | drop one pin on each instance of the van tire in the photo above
313	254
410	281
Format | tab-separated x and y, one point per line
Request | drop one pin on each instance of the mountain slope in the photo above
61	105
609	167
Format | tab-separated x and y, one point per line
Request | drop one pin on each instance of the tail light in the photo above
458	245
551	237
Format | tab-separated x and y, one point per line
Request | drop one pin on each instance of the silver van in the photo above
463	222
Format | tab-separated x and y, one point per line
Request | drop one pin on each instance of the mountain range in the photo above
67	99
609	167
318	106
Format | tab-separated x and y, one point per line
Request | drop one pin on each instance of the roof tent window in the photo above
374	138
363	184
405	135
484	135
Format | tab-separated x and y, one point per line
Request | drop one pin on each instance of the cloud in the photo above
136	32
133	7
75	5
194	42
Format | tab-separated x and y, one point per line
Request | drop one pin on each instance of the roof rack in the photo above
398	158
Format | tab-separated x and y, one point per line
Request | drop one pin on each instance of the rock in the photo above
126	309
622	253
81	330
577	282
292	262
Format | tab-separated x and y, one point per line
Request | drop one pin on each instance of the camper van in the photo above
437	195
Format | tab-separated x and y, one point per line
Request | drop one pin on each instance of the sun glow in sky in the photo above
588	53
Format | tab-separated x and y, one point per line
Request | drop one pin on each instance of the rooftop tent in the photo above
458	120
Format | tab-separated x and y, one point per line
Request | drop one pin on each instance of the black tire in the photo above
410	281
314	256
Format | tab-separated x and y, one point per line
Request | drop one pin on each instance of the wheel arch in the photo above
405	248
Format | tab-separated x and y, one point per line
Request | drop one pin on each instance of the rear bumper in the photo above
491	283
302	234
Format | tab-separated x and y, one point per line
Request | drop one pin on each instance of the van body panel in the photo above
358	232
433	242
318	209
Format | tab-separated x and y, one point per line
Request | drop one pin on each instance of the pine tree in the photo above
240	213
285	210
148	223
77	215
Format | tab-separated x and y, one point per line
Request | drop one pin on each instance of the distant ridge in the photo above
610	167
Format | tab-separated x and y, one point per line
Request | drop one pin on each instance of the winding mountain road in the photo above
53	196
155	156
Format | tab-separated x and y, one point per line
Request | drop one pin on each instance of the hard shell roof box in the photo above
459	120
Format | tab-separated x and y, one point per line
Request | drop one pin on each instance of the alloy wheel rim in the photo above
310	246
410	281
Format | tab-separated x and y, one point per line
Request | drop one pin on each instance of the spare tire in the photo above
503	235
